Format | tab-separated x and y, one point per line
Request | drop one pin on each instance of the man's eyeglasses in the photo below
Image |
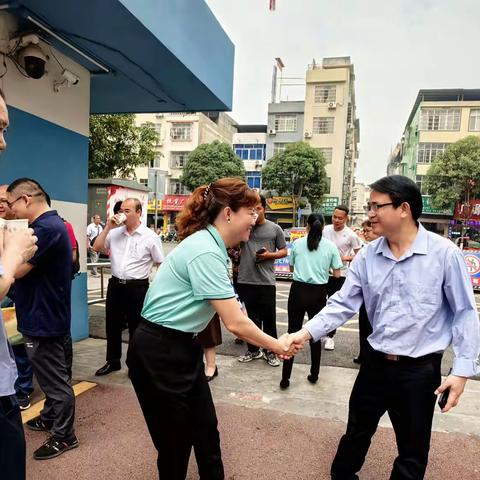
9	204
373	207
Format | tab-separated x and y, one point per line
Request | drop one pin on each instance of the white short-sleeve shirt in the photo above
133	256
346	241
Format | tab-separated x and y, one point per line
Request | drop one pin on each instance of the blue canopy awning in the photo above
144	55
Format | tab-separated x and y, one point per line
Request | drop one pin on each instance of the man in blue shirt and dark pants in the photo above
42	296
419	299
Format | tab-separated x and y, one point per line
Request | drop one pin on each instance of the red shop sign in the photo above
174	203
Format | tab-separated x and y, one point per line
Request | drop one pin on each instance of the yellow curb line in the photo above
34	410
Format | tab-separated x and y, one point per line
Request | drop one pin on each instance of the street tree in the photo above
118	145
455	176
209	162
299	171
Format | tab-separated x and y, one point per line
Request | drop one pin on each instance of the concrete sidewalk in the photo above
256	385
266	433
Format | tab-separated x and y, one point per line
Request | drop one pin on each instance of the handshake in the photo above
291	343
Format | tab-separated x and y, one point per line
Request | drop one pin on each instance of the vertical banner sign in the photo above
472	259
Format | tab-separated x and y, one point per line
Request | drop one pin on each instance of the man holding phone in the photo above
256	279
419	299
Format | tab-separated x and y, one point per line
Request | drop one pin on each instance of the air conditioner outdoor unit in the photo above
332	105
308	135
272	131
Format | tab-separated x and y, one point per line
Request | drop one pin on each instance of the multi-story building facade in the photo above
179	134
438	118
360	197
330	123
249	144
285	125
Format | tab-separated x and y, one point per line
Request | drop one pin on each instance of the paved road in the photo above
346	340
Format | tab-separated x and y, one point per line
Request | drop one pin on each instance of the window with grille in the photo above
440	119
155	163
177	188
250	151
427	152
279	147
420	181
325	93
178	159
181	132
327	153
474	122
323	124
254	179
286	123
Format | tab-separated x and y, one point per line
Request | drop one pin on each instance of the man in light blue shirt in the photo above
419	300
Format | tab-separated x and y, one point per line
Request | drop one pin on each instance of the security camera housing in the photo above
33	60
70	77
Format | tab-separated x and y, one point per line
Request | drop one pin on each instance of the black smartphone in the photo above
442	401
262	250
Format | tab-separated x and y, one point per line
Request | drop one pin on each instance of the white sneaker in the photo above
249	356
329	344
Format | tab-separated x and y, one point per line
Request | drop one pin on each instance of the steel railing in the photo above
100	266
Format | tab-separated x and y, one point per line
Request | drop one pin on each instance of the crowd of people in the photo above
410	286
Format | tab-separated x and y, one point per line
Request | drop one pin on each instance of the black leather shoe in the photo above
108	368
211	377
284	383
312	379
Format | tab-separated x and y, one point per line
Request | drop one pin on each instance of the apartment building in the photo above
438	118
331	124
179	134
249	144
360	197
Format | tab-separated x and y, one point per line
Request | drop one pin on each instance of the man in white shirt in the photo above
348	245
134	250
93	231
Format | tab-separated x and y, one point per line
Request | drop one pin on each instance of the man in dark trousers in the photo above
256	279
15	249
43	307
134	250
419	300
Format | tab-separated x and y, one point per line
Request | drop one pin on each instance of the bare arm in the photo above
23	270
241	326
273	255
336	272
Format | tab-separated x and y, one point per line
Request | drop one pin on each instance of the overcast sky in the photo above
397	47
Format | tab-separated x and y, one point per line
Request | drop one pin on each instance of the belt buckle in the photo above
392	358
122	281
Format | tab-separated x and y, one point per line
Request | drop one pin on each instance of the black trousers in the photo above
12	440
333	286
123	306
364	331
404	389
310	299
51	359
260	301
167	372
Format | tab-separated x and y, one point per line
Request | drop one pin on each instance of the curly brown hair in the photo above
206	202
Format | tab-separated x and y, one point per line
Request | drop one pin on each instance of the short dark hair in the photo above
263	201
342	208
366	224
401	189
30	186
117	207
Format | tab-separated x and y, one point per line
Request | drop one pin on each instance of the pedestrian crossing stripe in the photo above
36	408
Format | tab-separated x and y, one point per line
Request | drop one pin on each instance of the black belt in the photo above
404	359
170	332
121	281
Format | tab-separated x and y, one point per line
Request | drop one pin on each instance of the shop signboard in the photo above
461	213
280	203
174	203
282	265
429	210
327	207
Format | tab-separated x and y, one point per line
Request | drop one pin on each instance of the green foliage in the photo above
299	170
455	172
209	162
118	146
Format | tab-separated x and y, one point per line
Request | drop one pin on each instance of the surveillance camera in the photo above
33	61
70	77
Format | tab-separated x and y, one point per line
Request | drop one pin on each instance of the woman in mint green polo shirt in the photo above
164	357
311	257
